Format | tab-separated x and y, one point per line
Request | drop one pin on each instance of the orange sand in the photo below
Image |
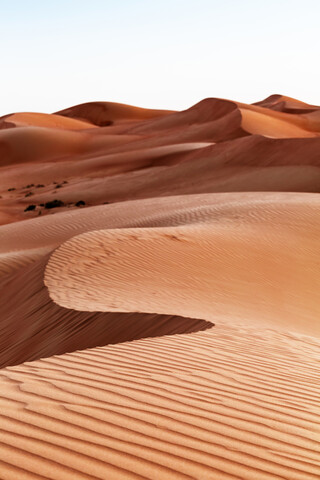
167	327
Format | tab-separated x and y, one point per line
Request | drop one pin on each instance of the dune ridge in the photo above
33	327
204	268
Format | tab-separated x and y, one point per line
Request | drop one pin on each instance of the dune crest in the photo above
108	113
24	119
208	269
33	327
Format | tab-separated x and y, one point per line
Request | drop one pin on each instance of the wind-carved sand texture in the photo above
160	279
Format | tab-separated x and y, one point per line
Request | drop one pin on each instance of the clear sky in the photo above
156	53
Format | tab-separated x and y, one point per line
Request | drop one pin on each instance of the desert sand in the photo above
159	276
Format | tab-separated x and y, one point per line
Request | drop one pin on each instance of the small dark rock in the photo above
39	185
64	181
106	203
29	208
58	186
80	203
28	194
11	189
54	204
29	186
41	204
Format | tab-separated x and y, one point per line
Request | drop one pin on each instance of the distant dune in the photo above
159	276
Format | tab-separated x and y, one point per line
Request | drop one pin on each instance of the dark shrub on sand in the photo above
54	204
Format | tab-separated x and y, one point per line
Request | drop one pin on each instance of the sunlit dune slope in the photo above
208	270
232	402
26	241
33	119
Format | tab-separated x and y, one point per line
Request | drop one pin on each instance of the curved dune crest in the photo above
246	119
33	326
209	270
24	242
107	113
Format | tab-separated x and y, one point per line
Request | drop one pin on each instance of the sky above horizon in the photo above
168	54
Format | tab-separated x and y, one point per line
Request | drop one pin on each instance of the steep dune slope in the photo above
32	326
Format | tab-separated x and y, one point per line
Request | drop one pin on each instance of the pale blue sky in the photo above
161	54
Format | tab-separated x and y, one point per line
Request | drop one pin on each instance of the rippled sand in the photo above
161	320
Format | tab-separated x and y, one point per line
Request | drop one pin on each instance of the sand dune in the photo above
32	326
33	119
229	403
147	138
23	242
108	113
252	163
286	104
159	275
250	119
207	270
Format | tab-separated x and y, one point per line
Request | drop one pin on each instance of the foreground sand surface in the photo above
159	276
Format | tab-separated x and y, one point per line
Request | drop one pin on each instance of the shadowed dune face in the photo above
33	326
120	224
